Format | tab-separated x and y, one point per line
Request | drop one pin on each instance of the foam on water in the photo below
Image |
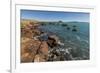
77	43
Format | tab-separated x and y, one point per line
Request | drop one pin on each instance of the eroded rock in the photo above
39	58
53	41
29	49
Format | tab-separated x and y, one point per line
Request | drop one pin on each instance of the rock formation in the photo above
38	46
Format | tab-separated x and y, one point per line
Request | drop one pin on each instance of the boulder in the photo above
53	41
74	30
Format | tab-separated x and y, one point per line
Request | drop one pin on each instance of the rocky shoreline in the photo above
41	44
38	46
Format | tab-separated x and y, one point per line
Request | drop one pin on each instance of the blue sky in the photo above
55	16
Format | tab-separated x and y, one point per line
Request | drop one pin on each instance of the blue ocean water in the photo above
76	41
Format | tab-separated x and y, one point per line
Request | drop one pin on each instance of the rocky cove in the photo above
41	42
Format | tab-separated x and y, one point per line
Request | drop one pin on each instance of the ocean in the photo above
74	35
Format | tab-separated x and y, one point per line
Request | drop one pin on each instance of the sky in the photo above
55	16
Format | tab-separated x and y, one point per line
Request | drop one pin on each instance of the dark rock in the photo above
64	25
74	29
68	28
59	54
43	37
53	41
74	26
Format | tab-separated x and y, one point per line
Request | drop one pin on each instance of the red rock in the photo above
29	49
43	48
25	32
36	32
42	54
33	50
26	57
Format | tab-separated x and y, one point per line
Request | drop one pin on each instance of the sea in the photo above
74	35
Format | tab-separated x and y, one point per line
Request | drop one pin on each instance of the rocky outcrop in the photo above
40	58
33	50
26	33
59	54
53	41
29	49
43	49
38	46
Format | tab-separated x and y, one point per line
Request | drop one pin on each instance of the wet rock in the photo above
74	26
76	52
75	30
53	41
68	28
59	54
43	37
64	25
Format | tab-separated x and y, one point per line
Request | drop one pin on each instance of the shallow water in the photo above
77	41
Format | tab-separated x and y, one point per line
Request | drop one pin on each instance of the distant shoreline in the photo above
55	21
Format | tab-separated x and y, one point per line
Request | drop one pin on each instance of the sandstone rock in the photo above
43	48
30	30
26	33
36	32
34	24
26	57
39	58
29	49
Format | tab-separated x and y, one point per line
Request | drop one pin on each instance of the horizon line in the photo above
51	21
